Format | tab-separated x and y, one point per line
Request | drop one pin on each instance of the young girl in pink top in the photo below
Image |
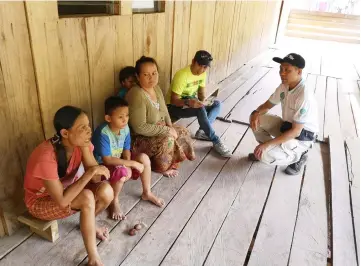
63	177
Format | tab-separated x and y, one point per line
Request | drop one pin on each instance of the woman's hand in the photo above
173	132
100	170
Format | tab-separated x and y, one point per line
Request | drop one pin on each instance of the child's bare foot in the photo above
95	262
115	212
152	198
171	173
102	233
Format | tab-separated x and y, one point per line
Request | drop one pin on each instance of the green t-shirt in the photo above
186	84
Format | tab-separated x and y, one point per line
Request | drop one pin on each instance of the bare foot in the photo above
95	262
115	212
152	198
171	173
102	233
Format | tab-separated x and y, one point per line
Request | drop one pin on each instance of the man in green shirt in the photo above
186	99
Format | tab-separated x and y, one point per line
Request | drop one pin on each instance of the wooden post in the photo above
126	8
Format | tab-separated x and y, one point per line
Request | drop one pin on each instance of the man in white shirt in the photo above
286	140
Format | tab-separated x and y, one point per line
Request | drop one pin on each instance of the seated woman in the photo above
166	145
63	177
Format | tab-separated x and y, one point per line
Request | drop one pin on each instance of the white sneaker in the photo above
222	149
201	135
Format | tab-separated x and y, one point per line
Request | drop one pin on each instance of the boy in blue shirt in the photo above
112	148
127	81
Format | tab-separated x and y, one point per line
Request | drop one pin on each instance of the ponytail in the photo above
60	155
64	118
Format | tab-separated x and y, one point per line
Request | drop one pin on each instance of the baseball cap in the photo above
203	58
293	59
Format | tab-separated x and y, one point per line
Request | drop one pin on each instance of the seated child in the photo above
127	81
112	148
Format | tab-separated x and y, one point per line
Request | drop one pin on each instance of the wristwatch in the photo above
186	102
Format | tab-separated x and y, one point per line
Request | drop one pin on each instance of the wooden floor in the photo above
235	212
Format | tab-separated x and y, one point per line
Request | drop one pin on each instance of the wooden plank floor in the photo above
231	211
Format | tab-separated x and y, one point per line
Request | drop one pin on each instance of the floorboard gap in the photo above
201	202
247	93
298	209
148	228
205	259
350	178
10	250
259	222
353	116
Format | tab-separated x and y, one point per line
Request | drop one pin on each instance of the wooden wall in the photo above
233	31
20	116
47	62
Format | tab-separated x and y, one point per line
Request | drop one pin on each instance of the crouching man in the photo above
286	140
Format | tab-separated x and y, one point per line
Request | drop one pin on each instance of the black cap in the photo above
293	59
203	58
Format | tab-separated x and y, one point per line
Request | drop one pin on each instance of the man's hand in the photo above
254	120
137	166
260	149
195	103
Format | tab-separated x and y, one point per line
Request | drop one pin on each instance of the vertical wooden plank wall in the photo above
47	62
239	45
123	45
74	44
182	12
101	41
19	111
222	34
201	27
233	31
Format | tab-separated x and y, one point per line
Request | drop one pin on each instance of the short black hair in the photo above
112	103
126	72
144	60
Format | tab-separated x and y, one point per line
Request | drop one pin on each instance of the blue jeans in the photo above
206	115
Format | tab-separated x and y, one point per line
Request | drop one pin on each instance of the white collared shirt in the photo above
298	105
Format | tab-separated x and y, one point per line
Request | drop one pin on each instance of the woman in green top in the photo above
166	145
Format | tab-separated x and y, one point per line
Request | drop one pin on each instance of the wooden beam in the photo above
348	126
310	238
320	95
353	159
332	118
343	239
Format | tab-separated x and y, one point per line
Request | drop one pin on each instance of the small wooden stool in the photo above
45	229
